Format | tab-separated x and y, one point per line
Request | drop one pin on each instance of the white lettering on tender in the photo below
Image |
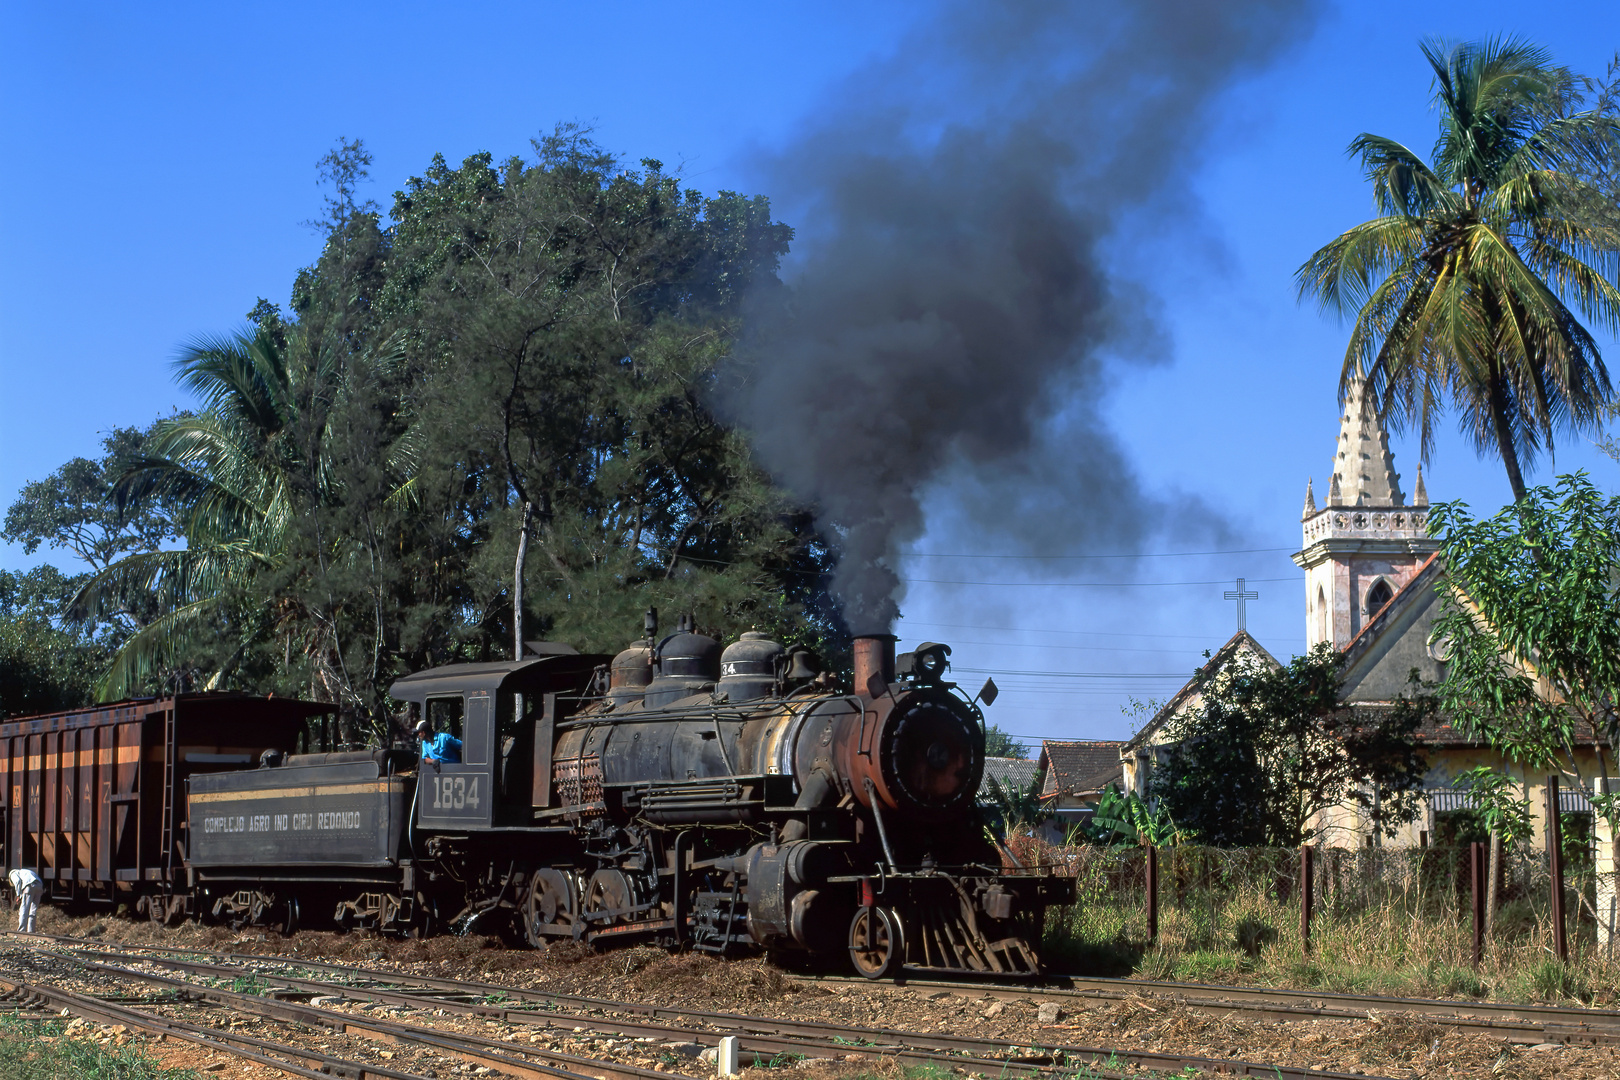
325	820
338	819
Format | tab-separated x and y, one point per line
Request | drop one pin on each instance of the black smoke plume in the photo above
953	321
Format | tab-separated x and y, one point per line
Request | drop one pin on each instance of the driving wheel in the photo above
608	899
550	909
875	942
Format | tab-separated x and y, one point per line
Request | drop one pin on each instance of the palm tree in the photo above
1462	287
231	470
246	470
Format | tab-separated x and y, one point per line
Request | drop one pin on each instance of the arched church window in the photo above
1378	597
1321	615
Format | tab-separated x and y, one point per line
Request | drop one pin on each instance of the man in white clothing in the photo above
28	887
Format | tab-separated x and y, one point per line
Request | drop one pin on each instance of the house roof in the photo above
1437	731
1239	642
1017	774
1073	767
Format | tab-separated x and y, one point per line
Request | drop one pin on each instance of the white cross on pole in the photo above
1240	596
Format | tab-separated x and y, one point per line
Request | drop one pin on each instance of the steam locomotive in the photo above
678	793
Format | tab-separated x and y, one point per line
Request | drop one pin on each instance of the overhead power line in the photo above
906	621
1072	648
1183	675
1080	584
1119	555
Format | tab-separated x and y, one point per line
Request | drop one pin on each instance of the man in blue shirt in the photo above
444	747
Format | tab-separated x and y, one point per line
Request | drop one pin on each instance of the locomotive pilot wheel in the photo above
876	944
550	909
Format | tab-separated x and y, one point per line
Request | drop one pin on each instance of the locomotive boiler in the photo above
677	792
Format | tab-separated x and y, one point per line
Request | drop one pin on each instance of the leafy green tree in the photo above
571	313
1462	288
998	743
1496	799
46	662
245	470
1532	635
73	508
539	335
1271	749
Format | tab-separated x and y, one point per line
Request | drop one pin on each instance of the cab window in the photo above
444	714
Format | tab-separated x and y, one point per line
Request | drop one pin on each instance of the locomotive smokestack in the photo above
874	659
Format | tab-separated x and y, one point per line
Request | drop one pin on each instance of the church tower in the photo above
1365	543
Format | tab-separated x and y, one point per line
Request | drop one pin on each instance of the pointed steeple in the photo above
1310	501
1420	496
1335	496
1363	469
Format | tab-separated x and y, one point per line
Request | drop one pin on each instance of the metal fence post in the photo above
1153	894
1555	849
1476	881
1307	892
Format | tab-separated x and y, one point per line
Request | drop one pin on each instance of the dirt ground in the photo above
1380	1044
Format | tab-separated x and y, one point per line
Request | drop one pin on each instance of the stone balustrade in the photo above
1367	523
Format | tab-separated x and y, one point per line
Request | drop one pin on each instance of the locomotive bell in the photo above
748	667
802	665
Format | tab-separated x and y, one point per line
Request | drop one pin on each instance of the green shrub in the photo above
1552	981
1253	935
1446	980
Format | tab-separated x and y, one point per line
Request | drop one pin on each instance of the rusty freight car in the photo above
96	797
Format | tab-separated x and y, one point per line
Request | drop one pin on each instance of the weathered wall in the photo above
1380	672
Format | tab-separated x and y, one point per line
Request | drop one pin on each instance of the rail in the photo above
761	1036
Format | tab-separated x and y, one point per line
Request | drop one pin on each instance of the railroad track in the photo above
297	1061
1525	1024
503	1056
762	1039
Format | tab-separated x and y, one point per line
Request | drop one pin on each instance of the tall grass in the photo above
1386	921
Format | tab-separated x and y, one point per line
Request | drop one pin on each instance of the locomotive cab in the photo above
504	714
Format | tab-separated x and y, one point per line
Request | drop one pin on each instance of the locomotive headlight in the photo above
927	662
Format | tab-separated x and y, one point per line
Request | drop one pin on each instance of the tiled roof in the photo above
1075	767
1437	730
1010	772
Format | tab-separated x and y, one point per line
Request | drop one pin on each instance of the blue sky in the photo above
160	159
